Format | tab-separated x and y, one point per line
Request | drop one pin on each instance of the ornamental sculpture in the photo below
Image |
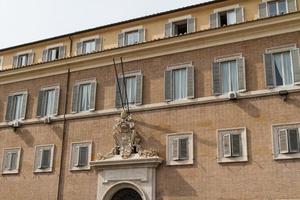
127	140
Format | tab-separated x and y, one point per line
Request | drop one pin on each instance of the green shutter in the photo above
216	76
139	90
41	104
241	74
75	99
9	108
190	82
262	7
213	20
168	30
296	65
191	25
269	73
168	86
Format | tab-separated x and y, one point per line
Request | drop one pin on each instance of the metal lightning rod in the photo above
116	74
124	82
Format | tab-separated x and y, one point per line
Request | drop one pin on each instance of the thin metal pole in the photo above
124	82
116	74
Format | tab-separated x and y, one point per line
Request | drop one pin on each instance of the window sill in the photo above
287	156
233	160
183	162
86	168
10	172
48	170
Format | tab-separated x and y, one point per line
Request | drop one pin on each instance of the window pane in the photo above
13	162
50	101
293	140
131	89
18	106
236	146
84	97
46	158
83	156
89	46
22	60
132	37
233	76
53	54
282	7
231	17
288	75
272	8
278	69
225	77
179	84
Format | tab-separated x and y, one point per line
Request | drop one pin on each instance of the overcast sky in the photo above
25	21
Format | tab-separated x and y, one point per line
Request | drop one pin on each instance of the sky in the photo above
24	21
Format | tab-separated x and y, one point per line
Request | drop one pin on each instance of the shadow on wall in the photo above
26	136
293	101
249	108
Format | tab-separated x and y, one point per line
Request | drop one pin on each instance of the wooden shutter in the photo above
45	161
235	145
190	82
268	59
239	14
141	35
79	48
62	52
83	156
24	105
169	29
98	44
183	149
292	5
262	8
216	75
30	58
283	141
15	61
213	20
56	101
191	25
75	99
41	104
241	74
175	149
9	108
293	140
121	39
296	65
93	95
118	100
139	90
226	145
168	85
45	55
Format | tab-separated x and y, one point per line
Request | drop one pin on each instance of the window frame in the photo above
243	145
84	42
130	75
43	147
18	150
277	8
180	135
49	53
48	88
26	55
72	167
24	93
126	33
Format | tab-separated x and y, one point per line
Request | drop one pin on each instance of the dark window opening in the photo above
180	27
223	19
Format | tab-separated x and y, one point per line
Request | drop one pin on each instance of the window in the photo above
227	17
180	27
81	156
1	62
180	149
130	37
279	7
48	102
229	75
11	160
232	145
134	87
286	141
84	96
179	82
282	68
89	45
53	53
16	106
43	160
22	60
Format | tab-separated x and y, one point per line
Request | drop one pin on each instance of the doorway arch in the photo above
124	191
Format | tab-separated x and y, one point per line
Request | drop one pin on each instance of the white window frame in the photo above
53	87
18	150
132	29
275	141
179	19
128	75
84	82
24	92
277	7
43	147
169	138
244	150
88	144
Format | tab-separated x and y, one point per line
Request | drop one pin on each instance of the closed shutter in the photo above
24	105
30	58
168	86
283	141
75	99
62	52
98	44
93	95
15	61
83	156
262	10
121	39
226	145
293	140
45	55
41	104
216	75
269	70
213	20
190	82
292	5
79	48
139	90
142	35
175	149
119	93
9	108
296	65
56	102
236	145
46	154
241	74
191	25
168	29
183	149
239	14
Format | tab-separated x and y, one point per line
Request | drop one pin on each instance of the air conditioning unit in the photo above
47	120
232	95
15	124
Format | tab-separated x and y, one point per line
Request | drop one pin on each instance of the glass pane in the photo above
231	17
89	46
179	84
225	77
53	54
282	7
272	8
288	75
22	60
131	89
18	106
13	164
50	98
132	37
84	97
233	76
278	69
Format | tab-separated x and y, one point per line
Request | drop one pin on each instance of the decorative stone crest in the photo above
127	140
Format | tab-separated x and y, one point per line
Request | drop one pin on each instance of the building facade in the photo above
214	88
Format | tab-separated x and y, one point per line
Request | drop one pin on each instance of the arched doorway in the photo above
126	194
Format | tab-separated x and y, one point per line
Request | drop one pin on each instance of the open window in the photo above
227	17
43	161
277	7
180	27
81	156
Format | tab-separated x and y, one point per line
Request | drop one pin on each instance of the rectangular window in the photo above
283	68
48	102
43	158
229	76
11	159
179	84
22	60
277	7
132	37
16	106
81	156
84	96
227	18
88	46
180	27
53	54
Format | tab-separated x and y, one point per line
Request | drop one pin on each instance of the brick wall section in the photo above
259	178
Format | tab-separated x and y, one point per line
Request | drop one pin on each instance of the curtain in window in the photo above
50	102
288	74
131	89
278	69
233	76
282	6
229	76
132	38
18	106
225	77
272	8
89	46
231	17
84	97
179	84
